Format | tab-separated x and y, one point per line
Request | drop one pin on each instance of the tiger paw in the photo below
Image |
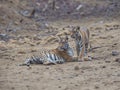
87	58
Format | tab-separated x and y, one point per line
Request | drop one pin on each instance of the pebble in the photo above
13	88
107	61
96	87
82	71
59	86
103	67
76	85
118	75
115	53
117	60
47	68
33	50
76	68
21	52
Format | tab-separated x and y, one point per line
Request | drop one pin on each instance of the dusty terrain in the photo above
102	73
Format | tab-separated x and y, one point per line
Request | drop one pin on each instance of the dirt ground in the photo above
101	73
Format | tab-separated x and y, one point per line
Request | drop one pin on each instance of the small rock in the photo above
99	62
107	61
31	44
4	37
76	85
118	75
76	68
93	34
96	87
59	86
66	88
112	68
117	60
33	50
47	68
16	23
115	53
115	43
13	88
21	52
7	68
71	82
38	43
103	67
58	79
101	37
25	13
96	68
82	71
27	86
79	7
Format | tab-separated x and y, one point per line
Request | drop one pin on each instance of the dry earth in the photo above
102	73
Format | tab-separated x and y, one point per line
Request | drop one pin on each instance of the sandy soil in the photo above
102	73
29	37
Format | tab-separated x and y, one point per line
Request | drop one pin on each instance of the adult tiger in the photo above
63	53
81	37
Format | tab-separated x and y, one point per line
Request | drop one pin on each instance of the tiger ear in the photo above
66	36
77	28
71	28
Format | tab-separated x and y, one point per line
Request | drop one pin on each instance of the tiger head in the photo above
64	46
74	32
63	43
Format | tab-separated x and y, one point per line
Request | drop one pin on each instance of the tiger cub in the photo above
63	53
81	37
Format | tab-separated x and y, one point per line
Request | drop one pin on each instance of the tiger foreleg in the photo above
86	57
77	51
81	55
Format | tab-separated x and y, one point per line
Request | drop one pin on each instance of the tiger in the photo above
63	53
81	37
